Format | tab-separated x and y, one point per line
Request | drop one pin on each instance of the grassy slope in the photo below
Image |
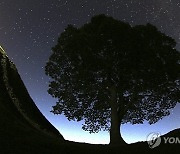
16	134
27	104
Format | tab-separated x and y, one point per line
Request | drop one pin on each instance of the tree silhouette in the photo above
108	73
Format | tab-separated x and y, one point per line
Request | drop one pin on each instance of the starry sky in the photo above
28	30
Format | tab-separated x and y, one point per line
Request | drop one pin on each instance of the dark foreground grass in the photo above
51	146
139	148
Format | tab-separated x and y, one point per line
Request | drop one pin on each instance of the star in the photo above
29	29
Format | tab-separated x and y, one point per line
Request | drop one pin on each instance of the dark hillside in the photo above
173	133
26	103
23	128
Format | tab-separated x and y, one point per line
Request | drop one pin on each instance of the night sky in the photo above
28	30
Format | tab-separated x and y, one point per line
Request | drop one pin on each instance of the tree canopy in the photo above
109	66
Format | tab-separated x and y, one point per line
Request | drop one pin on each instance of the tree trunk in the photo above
115	136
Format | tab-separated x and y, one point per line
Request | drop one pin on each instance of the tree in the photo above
108	73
